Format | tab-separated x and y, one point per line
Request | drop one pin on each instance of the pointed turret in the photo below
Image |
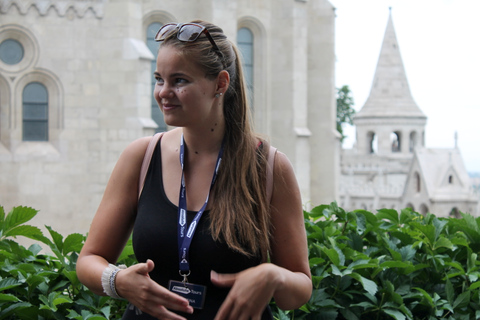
390	116
390	93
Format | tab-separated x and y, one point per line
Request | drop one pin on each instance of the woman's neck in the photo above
204	141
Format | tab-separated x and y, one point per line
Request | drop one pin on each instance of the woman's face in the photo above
185	96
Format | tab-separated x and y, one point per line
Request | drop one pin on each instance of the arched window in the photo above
413	141
372	142
35	112
423	209
454	212
245	45
395	139
153	45
411	206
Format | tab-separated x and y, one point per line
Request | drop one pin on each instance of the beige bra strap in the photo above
146	161
270	163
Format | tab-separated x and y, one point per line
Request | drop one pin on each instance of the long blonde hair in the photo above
240	215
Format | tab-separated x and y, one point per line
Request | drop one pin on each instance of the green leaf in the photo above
474	286
74	315
332	254
450	291
73	243
395	314
364	304
2	216
462	300
388	214
17	216
7	297
347	314
427	230
394	264
471	262
442	243
317	212
60	299
5	313
426	296
439	225
57	239
471	222
315	261
9	283
368	285
456	265
25	231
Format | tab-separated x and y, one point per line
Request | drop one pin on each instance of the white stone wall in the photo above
91	56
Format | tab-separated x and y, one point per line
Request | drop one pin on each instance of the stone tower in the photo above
390	167
390	123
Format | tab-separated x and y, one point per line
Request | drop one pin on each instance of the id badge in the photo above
194	293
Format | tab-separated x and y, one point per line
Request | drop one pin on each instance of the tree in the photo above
345	111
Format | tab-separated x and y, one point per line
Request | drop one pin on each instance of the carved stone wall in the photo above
63	8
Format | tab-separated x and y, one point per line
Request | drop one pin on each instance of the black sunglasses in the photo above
187	32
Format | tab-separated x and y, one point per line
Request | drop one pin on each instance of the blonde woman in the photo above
203	226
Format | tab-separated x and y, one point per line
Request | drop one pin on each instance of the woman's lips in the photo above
168	107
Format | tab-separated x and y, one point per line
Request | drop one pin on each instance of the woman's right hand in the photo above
135	285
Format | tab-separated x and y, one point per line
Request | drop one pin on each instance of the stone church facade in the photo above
76	88
390	167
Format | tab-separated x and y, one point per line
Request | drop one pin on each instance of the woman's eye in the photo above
159	80
181	80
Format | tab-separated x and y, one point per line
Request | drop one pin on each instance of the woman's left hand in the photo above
252	289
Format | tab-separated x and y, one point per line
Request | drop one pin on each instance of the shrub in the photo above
391	265
35	285
388	265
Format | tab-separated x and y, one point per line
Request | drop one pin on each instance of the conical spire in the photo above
390	94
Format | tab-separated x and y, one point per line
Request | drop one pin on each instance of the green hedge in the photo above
387	265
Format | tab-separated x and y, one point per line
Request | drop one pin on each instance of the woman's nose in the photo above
165	91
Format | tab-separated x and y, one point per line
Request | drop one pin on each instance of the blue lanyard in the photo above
185	236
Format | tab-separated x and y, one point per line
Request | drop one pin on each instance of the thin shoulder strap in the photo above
146	160
270	163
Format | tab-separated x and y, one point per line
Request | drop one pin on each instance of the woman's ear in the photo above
223	81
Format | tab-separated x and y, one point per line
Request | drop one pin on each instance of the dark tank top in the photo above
155	238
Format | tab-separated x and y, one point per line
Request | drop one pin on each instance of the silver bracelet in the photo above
108	280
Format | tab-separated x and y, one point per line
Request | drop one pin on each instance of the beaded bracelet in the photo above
108	280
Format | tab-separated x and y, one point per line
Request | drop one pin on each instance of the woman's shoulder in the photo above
138	147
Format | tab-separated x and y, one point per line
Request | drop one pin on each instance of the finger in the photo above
222	280
163	313
145	268
173	301
159	303
225	310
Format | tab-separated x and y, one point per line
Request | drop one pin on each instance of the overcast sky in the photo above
439	42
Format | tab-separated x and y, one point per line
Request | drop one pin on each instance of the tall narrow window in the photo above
417	182
372	142
157	115
245	45
35	112
395	139
413	141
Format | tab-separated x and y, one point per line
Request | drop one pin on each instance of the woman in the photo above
202	251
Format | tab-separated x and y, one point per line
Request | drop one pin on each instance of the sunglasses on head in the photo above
187	32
